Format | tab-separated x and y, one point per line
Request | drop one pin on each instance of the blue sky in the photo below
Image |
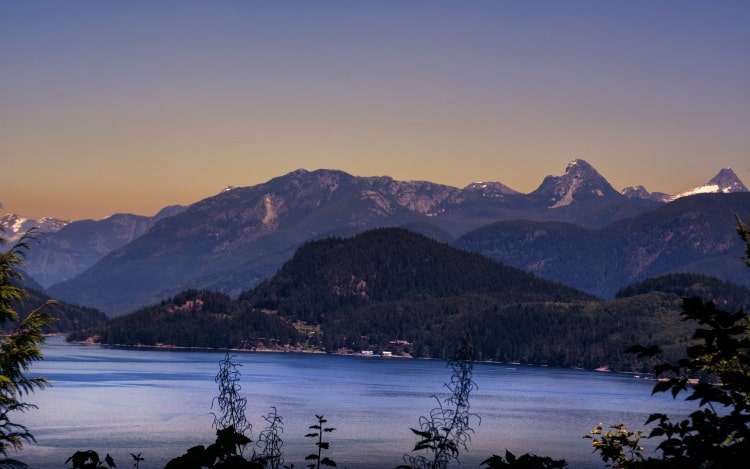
131	106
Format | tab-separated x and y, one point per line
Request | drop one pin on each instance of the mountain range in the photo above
691	234
236	239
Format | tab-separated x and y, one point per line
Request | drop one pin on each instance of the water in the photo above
158	403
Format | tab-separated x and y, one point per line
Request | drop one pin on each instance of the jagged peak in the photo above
635	191
728	181
725	182
580	181
578	164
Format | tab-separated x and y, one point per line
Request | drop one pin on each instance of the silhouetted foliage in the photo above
222	454
18	348
446	432
90	460
270	441
317	433
231	404
525	461
718	433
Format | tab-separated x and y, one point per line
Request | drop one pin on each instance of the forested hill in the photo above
392	264
68	318
196	318
391	290
725	295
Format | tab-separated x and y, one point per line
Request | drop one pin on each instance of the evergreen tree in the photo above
18	348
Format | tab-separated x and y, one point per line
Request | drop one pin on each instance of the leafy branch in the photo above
318	433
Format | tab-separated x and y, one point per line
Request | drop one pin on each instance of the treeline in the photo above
196	318
577	334
582	334
68	318
724	294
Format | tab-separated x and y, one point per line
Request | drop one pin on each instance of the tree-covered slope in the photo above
68	318
195	318
692	234
392	264
723	294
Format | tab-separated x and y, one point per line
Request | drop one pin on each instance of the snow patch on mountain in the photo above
271	214
16	226
567	197
725	182
580	183
490	189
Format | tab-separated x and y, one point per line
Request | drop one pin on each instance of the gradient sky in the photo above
131	106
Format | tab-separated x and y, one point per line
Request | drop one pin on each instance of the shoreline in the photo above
177	348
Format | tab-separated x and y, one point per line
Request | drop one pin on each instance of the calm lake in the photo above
158	403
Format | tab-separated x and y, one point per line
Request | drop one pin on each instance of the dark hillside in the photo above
725	295
392	264
69	318
196	318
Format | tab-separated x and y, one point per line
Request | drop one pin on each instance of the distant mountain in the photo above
238	238
725	182
640	192
63	254
581	183
693	234
15	225
490	189
581	196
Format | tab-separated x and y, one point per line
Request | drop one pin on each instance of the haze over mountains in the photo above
236	239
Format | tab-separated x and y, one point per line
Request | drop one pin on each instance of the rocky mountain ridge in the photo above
16	225
63	253
234	240
692	234
725	182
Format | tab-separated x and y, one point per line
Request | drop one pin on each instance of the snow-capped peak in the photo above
725	182
580	182
490	189
15	225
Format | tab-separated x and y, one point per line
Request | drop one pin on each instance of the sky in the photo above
128	107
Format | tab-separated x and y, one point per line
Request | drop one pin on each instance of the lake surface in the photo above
158	403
